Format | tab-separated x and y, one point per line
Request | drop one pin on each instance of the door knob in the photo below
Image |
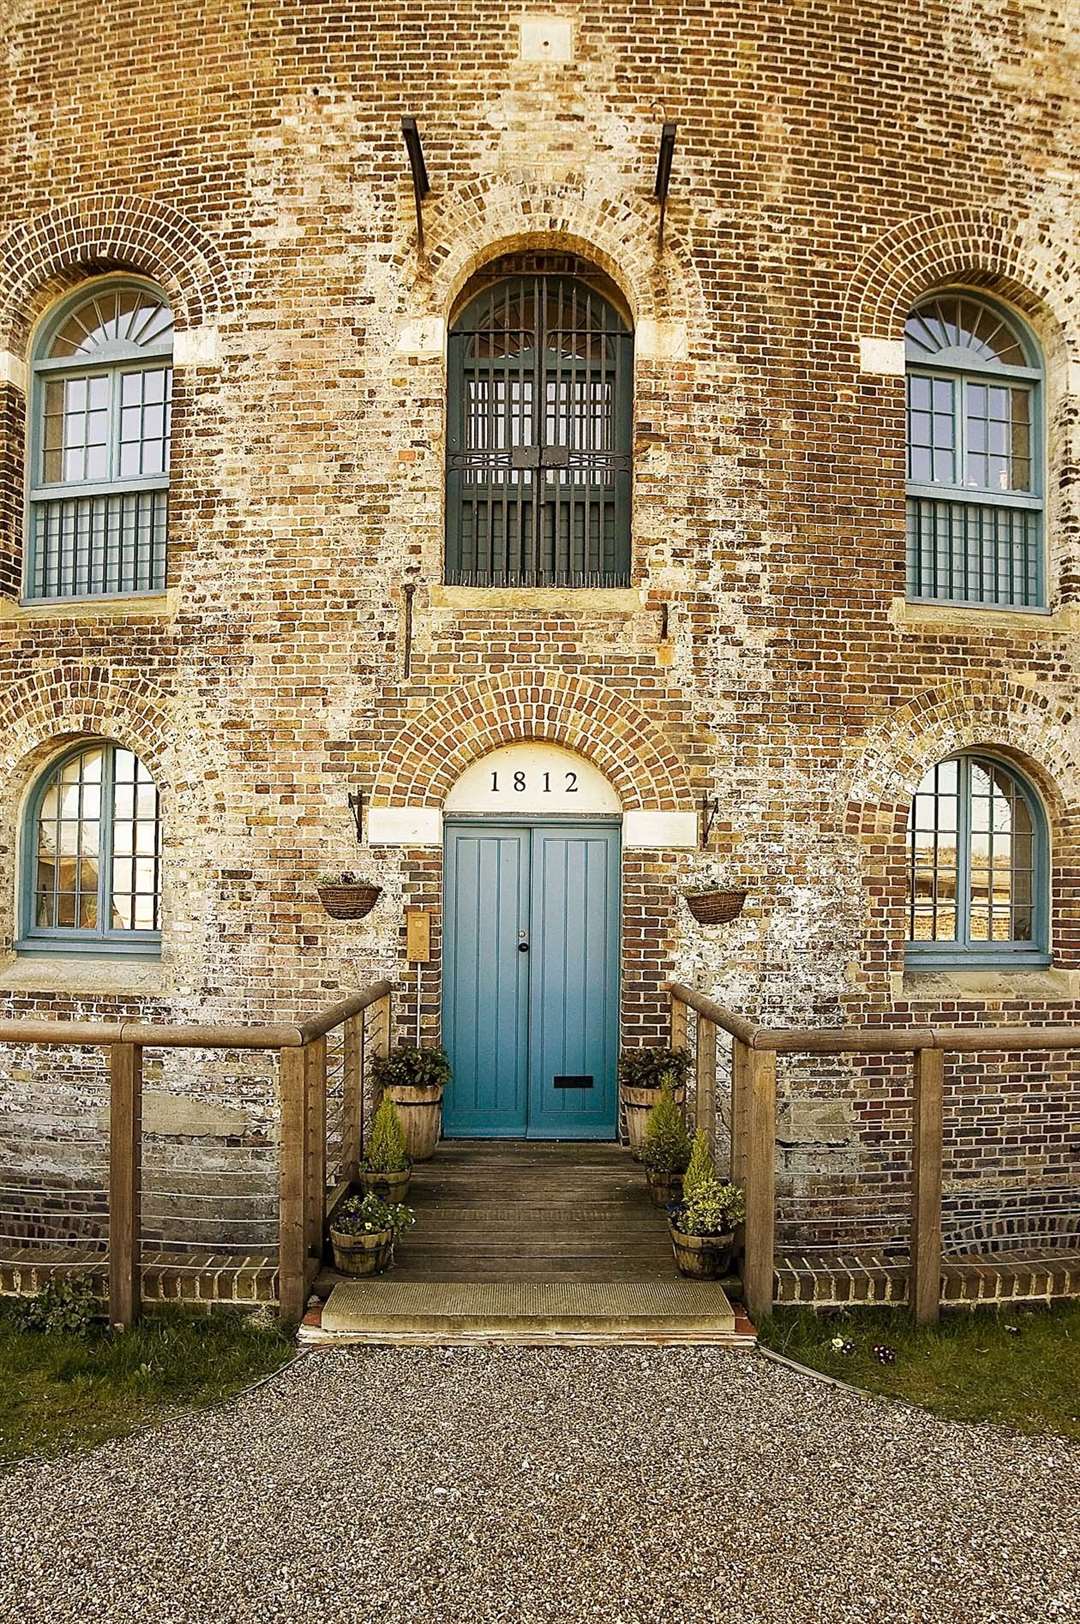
523	947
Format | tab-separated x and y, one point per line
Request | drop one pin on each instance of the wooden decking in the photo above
510	1211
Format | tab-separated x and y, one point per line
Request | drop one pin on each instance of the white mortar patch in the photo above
546	39
660	830
883	355
197	346
422	337
660	340
404	826
13	370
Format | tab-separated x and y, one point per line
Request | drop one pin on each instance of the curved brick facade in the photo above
830	168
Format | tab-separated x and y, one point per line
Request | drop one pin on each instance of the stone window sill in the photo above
991	986
933	617
121	607
83	974
584	600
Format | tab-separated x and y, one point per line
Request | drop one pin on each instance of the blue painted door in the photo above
531	980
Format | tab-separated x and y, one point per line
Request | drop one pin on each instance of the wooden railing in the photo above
753	1117
302	1169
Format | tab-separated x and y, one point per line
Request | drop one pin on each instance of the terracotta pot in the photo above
664	1187
420	1109
349	901
358	1255
716	907
389	1187
702	1257
638	1102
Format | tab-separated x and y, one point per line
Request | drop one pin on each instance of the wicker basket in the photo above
716	907
349	901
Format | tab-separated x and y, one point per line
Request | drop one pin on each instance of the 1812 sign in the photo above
533	778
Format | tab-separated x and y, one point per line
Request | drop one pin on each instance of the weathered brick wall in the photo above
833	162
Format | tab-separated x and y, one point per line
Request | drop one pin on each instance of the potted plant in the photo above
347	896
386	1169
665	1148
641	1072
415	1080
363	1232
703	1223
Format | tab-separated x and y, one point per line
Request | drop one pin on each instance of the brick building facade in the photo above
764	654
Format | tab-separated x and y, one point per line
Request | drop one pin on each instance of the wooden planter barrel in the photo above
664	1187
638	1102
420	1110
358	1255
389	1187
702	1257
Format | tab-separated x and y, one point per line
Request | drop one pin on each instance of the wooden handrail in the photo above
753	1117
157	1034
875	1039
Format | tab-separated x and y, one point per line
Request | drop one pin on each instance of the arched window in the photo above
539	421
974	414
977	867
92	854
99	447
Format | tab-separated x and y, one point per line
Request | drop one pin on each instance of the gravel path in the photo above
620	1485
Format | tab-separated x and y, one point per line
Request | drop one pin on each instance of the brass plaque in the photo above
417	935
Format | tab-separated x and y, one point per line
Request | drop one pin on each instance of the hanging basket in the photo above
349	900
716	907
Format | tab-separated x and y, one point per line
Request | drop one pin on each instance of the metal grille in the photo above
971	552
538	456
88	544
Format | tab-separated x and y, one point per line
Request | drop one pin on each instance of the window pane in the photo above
932	857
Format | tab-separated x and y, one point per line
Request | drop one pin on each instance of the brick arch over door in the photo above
511	214
1025	260
42	256
430	754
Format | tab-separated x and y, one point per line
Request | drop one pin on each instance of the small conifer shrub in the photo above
386	1151
666	1143
701	1169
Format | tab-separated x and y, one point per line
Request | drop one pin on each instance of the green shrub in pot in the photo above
415	1080
703	1228
363	1231
665	1147
386	1167
641	1073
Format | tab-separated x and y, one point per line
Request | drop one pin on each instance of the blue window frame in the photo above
977	868
974	449
100	426
92	855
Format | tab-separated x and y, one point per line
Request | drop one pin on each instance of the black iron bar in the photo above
420	182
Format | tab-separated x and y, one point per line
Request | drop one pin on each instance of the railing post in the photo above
292	1176
705	1063
125	1182
740	1060
760	1181
679	1013
926	1166
352	1095
315	1205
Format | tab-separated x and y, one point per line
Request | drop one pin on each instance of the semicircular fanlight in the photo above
956	321
110	316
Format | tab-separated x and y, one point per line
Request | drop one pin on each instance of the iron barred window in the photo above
92	868
976	866
974	403
539	430
99	453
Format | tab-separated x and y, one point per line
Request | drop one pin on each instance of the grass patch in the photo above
1019	1367
60	1392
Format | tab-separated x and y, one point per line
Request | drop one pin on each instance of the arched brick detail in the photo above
508	214
964	715
1026	260
111	231
430	754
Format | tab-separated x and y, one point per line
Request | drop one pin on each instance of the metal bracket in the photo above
663	175
356	807
710	811
420	183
